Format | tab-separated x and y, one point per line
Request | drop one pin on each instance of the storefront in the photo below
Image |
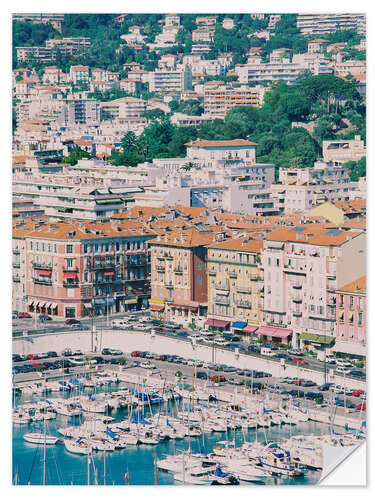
216	324
273	334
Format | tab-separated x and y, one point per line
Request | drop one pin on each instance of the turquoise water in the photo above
64	468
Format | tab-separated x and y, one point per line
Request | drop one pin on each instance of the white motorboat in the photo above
80	446
101	444
277	461
40	438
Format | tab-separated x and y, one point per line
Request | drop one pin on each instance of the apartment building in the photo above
317	46
303	267
172	20
351	319
69	46
56	20
339	152
315	24
235	282
125	107
178	273
79	111
350	67
204	34
52	74
220	99
76	269
300	190
79	74
170	81
237	149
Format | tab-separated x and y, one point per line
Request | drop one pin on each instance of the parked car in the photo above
281	355
67	352
16	357
32	356
361	406
115	352
106	351
52	354
202	375
308	383
218	378
343	403
24	315
14	314
295	352
295	393
357	392
237	346
342	369
182	334
72	321
44	317
77	352
344	363
313	395
325	387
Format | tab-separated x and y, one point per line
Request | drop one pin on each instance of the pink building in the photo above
351	318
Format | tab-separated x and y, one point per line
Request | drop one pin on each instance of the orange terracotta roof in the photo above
312	235
245	244
357	286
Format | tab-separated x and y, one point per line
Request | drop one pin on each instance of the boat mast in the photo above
156	473
88	468
44	452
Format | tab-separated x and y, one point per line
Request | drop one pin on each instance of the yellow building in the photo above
235	281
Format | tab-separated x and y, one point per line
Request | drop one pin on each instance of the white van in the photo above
266	351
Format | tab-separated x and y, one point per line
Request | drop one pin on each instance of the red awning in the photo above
270	331
70	275
43	272
217	322
108	273
155	307
249	329
180	306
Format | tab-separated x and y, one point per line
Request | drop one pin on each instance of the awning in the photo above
42	304
54	305
70	275
270	331
350	348
249	329
108	273
155	307
319	339
239	325
31	302
43	272
341	313
131	301
217	322
185	307
351	314
153	301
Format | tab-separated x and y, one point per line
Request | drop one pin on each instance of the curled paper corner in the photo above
334	456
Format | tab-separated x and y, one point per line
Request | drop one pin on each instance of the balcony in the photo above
168	257
102	265
16	279
211	273
224	301
101	281
70	270
294	270
169	285
178	270
68	284
16	251
16	264
297	300
297	286
41	281
160	269
297	314
42	267
244	303
254	277
222	286
138	263
243	290
232	274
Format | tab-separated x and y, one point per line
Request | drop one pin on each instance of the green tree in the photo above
75	155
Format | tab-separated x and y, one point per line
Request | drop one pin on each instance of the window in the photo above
69	248
199	266
277	262
360	318
351	301
341	300
70	292
199	280
69	263
70	312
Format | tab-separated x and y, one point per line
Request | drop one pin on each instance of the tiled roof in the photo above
358	285
245	244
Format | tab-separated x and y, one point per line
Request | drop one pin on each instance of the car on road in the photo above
52	354
182	334
299	361
32	356
72	321
78	361
344	363
343	403
218	378
105	351
14	314
220	341
16	358
357	373
202	375
24	315
134	354
330	358
295	393
67	352
342	369
281	355
295	352
44	317
147	365
308	383
253	348
237	346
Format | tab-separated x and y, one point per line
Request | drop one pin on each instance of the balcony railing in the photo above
297	286
243	290
40	281
16	264
222	301
245	304
102	265
178	270
211	273
42	267
169	285
222	286
16	251
70	269
254	277
168	257
232	274
67	284
16	279
159	268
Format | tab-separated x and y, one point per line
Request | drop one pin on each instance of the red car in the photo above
300	361
218	378
24	315
134	354
32	356
72	321
357	393
38	365
361	406
297	381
